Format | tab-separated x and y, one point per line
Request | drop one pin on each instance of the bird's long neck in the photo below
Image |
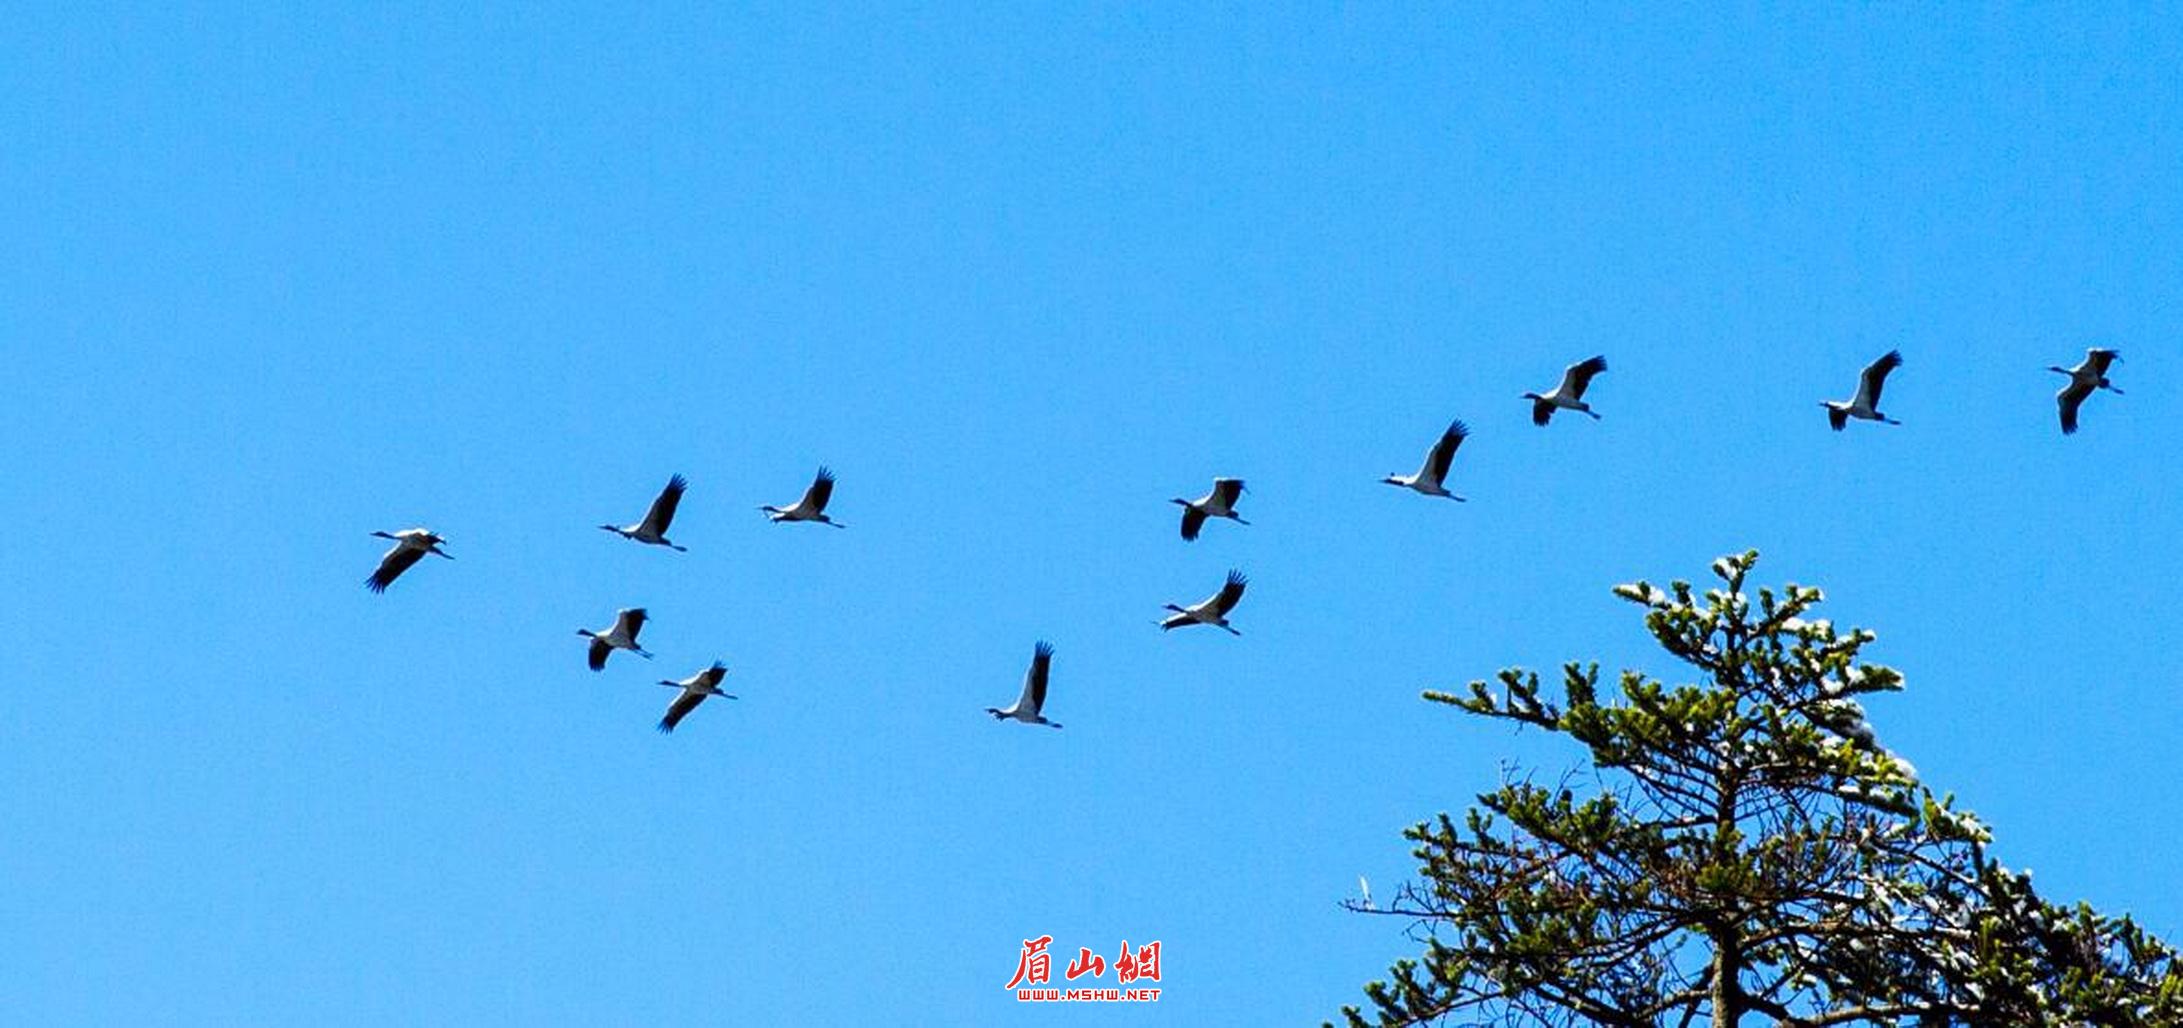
587	633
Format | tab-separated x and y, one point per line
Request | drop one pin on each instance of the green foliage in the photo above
1744	847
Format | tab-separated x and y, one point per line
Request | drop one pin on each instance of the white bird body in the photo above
1865	406
653	529
1219	503
812	507
1569	395
1213	610
1431	478
1027	706
622	636
2088	376
410	546
694	690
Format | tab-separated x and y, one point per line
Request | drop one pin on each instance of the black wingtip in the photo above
665	727
1458	429
1043	649
677	483
1237	577
826	474
373	583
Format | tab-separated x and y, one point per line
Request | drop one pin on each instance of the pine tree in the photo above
1741	850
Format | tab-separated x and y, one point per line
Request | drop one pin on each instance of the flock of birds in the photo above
412	545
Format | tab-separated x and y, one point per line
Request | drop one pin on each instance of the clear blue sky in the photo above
271	281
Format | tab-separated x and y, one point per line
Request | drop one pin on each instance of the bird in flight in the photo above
1865	406
694	690
2089	375
1569	395
1220	503
1212	611
1027	706
1431	479
813	505
653	529
623	636
410	546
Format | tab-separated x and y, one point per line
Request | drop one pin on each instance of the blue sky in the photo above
272	280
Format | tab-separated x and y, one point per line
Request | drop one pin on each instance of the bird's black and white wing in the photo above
1226	491
2099	360
822	490
391	566
662	513
2069	399
630	622
1579	376
1193	519
679	709
1875	378
597	656
1443	452
710	677
1541	412
1230	593
1034	680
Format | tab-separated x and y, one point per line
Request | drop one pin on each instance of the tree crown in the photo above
1741	845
